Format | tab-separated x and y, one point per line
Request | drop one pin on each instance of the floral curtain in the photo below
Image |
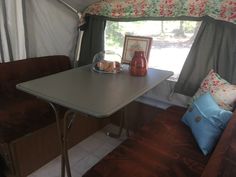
218	9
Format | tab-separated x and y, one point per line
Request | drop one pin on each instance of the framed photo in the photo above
135	43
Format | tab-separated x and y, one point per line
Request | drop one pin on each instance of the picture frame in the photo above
135	43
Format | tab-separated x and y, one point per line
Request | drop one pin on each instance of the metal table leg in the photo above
123	121
62	133
68	120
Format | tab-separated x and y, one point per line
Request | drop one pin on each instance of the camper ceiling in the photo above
79	4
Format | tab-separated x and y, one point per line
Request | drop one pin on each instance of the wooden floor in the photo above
84	155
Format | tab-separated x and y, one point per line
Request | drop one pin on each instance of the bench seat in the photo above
24	118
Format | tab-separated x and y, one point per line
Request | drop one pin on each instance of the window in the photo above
171	44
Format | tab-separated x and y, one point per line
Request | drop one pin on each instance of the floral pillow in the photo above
222	91
225	96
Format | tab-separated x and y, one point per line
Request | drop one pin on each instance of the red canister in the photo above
138	64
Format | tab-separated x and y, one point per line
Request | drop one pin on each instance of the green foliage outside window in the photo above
114	36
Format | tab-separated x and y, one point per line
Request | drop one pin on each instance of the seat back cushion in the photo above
12	73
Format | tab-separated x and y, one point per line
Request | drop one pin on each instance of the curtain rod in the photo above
71	8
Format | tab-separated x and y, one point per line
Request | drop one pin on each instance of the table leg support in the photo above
123	121
62	133
68	120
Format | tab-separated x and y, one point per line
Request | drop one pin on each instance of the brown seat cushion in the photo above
163	148
23	115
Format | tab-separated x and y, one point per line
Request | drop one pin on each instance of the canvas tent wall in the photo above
51	28
37	28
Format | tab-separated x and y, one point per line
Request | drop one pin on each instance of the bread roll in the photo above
108	66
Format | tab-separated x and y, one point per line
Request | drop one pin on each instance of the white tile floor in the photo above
84	155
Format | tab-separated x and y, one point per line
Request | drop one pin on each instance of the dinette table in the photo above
86	91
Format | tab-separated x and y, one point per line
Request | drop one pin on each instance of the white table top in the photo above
93	93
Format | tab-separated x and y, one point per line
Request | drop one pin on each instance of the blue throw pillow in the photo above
206	121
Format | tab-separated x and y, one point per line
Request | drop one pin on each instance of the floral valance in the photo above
217	9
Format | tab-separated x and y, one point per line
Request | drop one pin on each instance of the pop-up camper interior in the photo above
129	88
